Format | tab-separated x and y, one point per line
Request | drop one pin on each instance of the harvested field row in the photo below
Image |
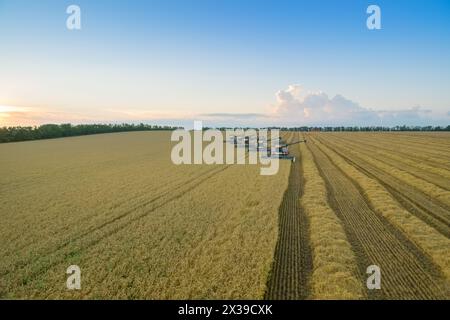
407	272
335	273
434	140
441	175
428	188
434	134
412	199
432	174
291	269
434	244
416	202
414	152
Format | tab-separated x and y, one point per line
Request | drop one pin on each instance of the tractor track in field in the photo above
107	229
136	206
139	205
407	273
416	202
292	264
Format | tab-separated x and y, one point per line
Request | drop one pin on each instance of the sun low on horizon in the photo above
5	112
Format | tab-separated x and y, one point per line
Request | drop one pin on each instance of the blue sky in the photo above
225	61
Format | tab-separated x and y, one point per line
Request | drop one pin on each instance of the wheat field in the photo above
136	225
140	227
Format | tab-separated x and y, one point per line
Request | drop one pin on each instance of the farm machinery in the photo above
279	149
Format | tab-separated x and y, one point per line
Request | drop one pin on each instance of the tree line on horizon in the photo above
354	128
368	128
50	131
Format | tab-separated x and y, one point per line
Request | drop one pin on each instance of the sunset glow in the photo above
7	109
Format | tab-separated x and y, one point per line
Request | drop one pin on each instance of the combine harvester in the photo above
279	150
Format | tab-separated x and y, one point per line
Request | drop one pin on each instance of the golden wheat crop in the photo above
141	227
137	225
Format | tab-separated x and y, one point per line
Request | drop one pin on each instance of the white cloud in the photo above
298	107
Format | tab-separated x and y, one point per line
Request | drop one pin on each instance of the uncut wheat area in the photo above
138	226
